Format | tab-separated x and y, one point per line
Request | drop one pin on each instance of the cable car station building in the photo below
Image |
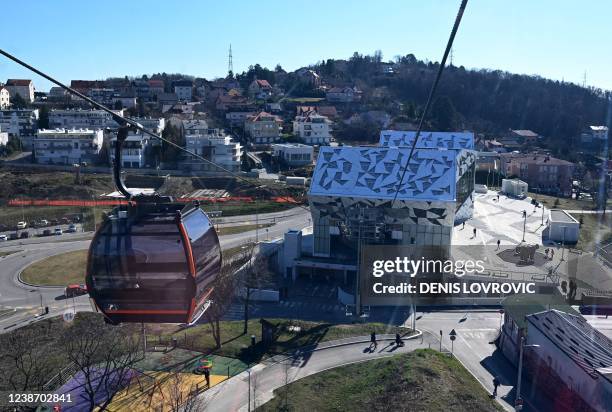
352	198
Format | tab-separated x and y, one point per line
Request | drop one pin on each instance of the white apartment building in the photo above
63	146
134	150
5	98
184	90
263	128
214	145
293	154
19	122
82	119
22	87
312	128
3	138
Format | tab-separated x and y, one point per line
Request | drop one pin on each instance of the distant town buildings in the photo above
19	122
543	173
293	154
312	128
5	98
309	76
263	128
65	147
215	146
82	119
237	119
21	87
524	137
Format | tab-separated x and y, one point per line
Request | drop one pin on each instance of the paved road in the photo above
232	395
25	301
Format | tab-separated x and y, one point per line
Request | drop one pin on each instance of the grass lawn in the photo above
59	270
237	345
424	380
596	230
232	230
564	203
305	99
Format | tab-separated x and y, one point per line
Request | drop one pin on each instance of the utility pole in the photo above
358	274
524	223
230	63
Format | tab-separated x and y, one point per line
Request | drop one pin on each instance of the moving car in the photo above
3	238
13	236
21	225
24	235
75	290
47	232
71	229
58	231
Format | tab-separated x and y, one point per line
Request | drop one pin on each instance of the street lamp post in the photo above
518	404
563	245
524	223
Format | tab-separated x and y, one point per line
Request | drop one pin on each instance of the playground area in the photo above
162	381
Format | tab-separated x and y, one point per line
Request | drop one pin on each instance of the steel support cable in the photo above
432	92
126	121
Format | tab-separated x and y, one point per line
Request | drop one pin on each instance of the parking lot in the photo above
33	232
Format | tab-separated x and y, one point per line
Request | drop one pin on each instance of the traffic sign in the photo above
453	333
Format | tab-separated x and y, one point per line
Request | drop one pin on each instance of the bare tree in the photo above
222	295
103	356
24	365
182	398
254	387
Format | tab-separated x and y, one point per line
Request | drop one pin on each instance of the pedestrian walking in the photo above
495	385
474	232
498	243
463	227
207	376
373	341
398	340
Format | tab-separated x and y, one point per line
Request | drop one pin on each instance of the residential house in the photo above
19	122
58	94
494	146
312	128
328	111
260	89
293	154
594	134
195	126
82	119
343	94
167	99
84	86
22	87
5	98
309	76
263	128
524	137
126	102
67	146
156	87
103	96
184	90
214	145
543	173
237	119
135	150
153	124
229	102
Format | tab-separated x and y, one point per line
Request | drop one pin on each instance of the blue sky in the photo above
96	39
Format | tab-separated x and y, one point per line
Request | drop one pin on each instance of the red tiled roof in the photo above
263	83
258	116
156	83
18	82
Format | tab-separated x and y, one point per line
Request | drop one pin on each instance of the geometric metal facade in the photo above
431	140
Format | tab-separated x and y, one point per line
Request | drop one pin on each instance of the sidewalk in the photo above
233	394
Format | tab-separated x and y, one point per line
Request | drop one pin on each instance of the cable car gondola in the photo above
153	260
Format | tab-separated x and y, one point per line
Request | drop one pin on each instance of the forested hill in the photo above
483	100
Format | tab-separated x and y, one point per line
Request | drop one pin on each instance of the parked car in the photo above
43	222
64	221
3	238
21	225
13	236
54	222
75	290
24	235
47	232
72	228
58	231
